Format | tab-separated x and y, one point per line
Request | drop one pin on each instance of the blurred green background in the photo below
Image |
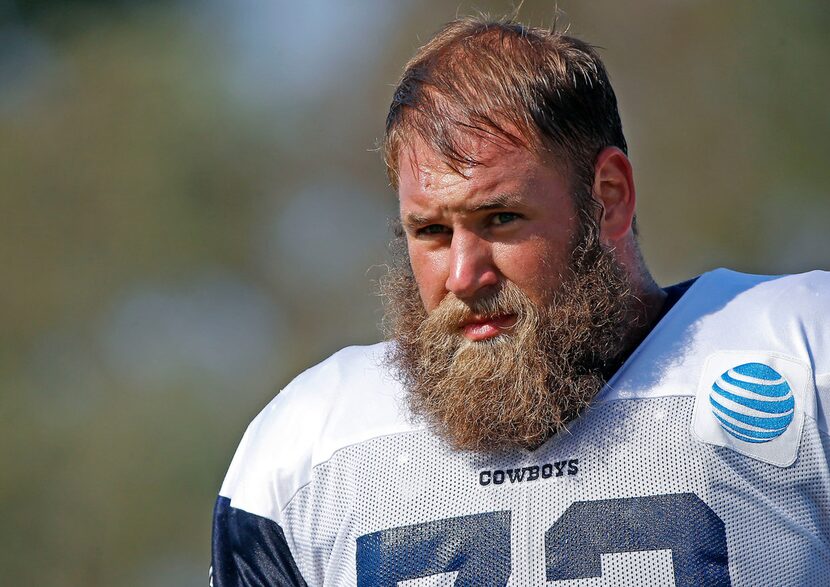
191	210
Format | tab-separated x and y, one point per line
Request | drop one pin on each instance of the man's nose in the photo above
471	265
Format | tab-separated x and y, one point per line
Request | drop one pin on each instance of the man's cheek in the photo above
430	284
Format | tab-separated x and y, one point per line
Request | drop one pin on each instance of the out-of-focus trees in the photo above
190	207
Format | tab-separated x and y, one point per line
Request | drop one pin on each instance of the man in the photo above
544	411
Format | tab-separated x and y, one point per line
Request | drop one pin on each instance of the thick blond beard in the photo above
523	386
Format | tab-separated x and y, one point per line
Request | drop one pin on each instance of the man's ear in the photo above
614	190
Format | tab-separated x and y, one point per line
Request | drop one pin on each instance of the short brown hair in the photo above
533	87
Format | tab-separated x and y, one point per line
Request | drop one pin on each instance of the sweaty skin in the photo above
511	218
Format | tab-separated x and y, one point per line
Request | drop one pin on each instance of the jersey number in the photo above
477	547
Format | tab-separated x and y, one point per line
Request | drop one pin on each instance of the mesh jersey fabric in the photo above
360	493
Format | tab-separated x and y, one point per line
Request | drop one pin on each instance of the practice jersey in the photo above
702	462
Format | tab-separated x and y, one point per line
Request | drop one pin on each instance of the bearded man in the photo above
543	410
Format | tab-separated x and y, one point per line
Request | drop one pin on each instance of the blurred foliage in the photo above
191	207
64	17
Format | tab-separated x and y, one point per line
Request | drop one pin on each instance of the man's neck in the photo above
646	311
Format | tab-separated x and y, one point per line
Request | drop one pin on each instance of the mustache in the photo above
452	313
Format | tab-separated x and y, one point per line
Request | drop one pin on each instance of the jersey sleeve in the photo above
257	540
252	542
251	545
249	551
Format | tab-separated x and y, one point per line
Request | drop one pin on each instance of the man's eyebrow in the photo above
498	201
413	219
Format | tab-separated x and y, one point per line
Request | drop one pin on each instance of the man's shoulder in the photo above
728	311
348	398
786	295
330	399
352	370
782	313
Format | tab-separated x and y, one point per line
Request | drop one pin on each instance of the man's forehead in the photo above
423	168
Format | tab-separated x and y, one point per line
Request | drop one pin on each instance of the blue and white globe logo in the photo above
753	402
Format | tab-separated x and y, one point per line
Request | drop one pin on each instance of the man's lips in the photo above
481	328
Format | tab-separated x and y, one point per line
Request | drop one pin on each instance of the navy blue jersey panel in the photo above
680	522
673	295
250	551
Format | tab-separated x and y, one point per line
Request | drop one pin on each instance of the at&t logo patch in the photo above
754	403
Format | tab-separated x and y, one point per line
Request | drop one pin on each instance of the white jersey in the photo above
702	462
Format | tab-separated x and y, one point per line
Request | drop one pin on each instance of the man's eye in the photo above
504	217
432	229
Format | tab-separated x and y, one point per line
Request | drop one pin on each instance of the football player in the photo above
542	411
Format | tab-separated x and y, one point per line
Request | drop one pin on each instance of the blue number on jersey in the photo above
478	546
681	522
